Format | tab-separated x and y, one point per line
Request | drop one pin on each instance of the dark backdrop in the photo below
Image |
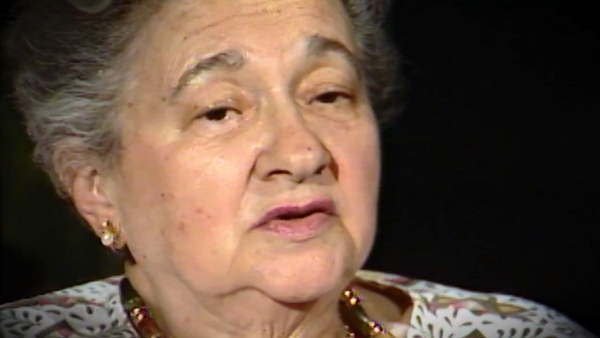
490	175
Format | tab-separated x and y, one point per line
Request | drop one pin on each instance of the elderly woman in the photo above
228	151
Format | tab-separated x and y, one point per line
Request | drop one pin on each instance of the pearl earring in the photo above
108	234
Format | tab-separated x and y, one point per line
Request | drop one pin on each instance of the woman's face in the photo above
250	152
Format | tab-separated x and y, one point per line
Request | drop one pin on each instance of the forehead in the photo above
210	24
211	13
268	31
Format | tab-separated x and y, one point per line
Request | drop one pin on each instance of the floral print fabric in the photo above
94	310
447	312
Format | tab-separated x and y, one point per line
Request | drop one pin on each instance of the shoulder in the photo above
88	310
445	311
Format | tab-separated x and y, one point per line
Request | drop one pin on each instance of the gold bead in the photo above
377	329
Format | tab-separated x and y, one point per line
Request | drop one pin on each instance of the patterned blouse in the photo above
94	310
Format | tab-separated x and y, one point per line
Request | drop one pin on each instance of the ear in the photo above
91	196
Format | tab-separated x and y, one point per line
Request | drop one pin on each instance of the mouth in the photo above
298	223
291	212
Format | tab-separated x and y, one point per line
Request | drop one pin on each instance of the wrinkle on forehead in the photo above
183	30
222	11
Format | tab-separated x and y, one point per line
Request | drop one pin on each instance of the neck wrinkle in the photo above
237	319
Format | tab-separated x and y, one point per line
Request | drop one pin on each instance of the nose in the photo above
291	149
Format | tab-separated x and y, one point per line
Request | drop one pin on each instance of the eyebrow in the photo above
319	45
231	60
228	60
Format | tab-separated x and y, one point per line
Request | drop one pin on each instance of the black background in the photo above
490	175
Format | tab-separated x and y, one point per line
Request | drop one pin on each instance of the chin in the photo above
306	290
306	279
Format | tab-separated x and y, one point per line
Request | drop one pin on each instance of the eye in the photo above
332	97
218	114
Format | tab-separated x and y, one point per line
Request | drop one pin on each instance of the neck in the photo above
246	313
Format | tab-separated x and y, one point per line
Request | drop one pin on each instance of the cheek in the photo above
181	197
357	155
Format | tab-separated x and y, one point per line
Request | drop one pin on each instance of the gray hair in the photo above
71	57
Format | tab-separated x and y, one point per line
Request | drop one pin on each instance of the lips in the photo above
291	212
298	223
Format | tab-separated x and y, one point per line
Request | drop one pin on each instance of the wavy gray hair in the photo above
71	60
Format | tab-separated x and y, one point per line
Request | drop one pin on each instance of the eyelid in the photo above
327	75
219	104
334	88
329	88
